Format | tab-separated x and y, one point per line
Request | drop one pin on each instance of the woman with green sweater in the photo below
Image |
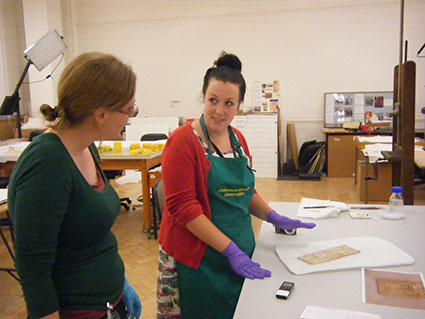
63	207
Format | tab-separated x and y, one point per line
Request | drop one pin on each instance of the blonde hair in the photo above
90	81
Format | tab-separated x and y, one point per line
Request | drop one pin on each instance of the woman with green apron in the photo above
206	238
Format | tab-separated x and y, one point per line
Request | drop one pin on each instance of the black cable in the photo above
48	76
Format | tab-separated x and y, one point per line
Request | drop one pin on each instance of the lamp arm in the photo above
16	94
21	79
12	102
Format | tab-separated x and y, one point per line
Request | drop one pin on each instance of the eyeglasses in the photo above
132	112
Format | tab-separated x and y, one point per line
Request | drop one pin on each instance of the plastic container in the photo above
396	200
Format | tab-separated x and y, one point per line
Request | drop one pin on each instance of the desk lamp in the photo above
40	54
420	50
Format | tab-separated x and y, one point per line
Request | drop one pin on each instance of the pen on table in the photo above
313	207
366	207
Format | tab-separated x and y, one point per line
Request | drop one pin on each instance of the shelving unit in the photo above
261	133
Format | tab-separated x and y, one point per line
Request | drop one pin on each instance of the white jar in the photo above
396	200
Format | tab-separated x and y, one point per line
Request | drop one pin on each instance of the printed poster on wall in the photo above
266	96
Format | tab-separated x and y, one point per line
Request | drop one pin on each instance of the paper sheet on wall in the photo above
388	102
266	96
359	113
329	109
374	252
358	99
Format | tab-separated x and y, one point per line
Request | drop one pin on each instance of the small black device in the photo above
285	290
285	231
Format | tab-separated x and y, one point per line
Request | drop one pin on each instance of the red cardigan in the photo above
184	171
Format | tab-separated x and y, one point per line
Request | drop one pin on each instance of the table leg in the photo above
366	180
355	165
146	200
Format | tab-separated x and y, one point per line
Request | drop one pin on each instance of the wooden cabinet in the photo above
341	155
341	152
261	134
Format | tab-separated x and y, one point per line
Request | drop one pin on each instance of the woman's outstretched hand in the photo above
284	222
242	264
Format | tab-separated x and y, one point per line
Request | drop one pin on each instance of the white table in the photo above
340	289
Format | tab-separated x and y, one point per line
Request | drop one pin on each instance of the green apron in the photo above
212	290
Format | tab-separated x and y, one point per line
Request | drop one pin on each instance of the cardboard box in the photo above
378	190
7	125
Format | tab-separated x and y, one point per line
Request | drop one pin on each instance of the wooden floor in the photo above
140	254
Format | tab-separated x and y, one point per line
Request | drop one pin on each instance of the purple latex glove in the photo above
242	264
283	222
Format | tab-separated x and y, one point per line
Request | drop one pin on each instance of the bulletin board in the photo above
347	107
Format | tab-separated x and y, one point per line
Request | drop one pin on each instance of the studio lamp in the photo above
420	50
41	54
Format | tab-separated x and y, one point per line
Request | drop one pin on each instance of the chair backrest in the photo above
158	197
153	137
34	134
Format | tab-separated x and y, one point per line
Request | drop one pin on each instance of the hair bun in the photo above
49	113
229	60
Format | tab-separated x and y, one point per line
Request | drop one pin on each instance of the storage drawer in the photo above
260	132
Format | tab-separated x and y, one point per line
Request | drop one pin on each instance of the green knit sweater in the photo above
66	254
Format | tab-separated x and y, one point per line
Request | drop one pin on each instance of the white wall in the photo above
12	62
335	46
312	47
41	16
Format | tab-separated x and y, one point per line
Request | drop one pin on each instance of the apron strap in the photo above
233	140
204	129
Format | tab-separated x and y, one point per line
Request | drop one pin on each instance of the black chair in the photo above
154	178
151	137
125	201
34	134
158	202
7	222
4	181
419	176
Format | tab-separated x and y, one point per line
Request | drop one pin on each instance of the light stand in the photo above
41	54
403	146
11	103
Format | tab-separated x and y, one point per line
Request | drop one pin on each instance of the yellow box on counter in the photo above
147	149
117	147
